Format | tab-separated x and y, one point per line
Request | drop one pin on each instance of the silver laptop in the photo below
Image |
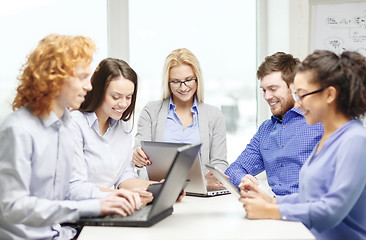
162	205
160	153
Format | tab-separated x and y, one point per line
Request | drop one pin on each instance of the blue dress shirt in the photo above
174	129
332	197
280	147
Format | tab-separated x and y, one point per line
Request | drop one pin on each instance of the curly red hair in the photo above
47	67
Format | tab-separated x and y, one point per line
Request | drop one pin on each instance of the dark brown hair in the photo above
107	70
279	62
346	72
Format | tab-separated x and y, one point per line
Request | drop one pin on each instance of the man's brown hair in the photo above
279	62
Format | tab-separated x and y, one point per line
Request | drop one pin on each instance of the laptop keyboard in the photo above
141	214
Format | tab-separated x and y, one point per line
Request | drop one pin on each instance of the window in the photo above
23	23
222	34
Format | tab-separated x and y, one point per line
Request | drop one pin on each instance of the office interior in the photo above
230	39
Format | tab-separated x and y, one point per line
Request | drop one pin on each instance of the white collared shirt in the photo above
104	160
36	157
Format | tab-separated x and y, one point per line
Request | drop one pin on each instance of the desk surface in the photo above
220	217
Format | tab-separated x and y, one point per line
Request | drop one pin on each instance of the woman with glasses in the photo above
331	202
182	116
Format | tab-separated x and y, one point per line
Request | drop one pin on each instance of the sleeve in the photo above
218	148
129	170
16	204
249	161
292	198
80	188
80	170
346	187
144	127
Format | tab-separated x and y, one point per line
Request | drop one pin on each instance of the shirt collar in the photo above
171	104
194	107
92	119
293	112
52	119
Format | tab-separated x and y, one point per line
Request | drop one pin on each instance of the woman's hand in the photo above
249	178
249	184
258	208
139	158
181	196
145	196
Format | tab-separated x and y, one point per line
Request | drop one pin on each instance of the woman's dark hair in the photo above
107	70
346	72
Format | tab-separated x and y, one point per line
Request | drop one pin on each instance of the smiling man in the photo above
282	143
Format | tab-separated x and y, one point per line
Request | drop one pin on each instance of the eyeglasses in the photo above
299	98
178	84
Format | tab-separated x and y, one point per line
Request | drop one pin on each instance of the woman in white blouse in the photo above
103	130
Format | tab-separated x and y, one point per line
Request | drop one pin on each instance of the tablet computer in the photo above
224	180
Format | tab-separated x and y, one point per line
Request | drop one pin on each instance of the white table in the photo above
220	217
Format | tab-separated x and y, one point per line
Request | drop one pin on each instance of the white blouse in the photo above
103	160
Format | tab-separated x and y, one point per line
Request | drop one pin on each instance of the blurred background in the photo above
230	39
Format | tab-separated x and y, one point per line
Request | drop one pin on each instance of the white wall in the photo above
272	36
118	29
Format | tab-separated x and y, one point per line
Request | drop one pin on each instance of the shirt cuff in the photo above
89	208
97	193
295	212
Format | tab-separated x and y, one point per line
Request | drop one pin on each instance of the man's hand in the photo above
121	202
212	181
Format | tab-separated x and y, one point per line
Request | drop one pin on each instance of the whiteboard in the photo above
338	26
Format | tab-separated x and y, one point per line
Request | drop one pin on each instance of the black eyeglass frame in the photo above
299	98
183	82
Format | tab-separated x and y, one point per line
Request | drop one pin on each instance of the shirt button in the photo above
284	217
281	165
284	126
281	146
280	184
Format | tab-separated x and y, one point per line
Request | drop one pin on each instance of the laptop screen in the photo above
178	173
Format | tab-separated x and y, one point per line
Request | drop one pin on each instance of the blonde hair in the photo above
47	67
178	57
